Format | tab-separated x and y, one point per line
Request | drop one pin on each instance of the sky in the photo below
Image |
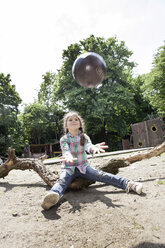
34	33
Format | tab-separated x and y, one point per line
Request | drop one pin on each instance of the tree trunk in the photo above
111	166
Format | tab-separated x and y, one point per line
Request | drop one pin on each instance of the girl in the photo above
74	145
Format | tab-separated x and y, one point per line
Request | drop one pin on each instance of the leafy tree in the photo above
39	124
34	121
45	91
10	127
107	109
54	108
144	110
154	88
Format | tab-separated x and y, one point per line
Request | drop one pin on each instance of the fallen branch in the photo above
27	164
111	166
156	151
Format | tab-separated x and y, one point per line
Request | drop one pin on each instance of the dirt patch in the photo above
100	216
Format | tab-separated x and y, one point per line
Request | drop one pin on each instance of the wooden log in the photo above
27	164
156	151
110	166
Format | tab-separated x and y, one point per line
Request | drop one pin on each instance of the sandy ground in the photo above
100	216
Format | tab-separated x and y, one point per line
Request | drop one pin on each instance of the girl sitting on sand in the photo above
75	145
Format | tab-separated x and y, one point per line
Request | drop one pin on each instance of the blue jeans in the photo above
92	174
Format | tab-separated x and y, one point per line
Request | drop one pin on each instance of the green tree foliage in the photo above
34	121
10	127
45	91
154	88
108	109
54	108
143	108
41	126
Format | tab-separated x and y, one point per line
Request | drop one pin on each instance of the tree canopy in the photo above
40	123
10	127
154	87
110	108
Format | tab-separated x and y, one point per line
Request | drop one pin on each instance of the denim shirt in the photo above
71	145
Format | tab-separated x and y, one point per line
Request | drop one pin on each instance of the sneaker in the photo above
137	187
50	200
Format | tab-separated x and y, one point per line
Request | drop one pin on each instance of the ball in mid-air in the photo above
89	70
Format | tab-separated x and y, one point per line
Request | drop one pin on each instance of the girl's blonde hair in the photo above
82	128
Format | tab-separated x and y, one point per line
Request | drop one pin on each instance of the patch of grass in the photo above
138	225
154	228
160	182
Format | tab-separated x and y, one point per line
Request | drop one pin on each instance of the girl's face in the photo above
73	123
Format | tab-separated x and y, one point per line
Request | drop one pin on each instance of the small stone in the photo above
14	214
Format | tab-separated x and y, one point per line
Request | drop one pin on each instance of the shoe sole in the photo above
50	200
139	188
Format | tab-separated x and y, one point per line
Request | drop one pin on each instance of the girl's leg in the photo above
104	177
53	196
63	182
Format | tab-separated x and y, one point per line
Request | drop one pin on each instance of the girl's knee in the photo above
62	181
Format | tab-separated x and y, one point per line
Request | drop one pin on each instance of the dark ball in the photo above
89	69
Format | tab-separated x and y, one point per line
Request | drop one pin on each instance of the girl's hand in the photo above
68	158
99	147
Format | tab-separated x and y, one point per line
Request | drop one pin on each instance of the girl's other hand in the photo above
99	147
